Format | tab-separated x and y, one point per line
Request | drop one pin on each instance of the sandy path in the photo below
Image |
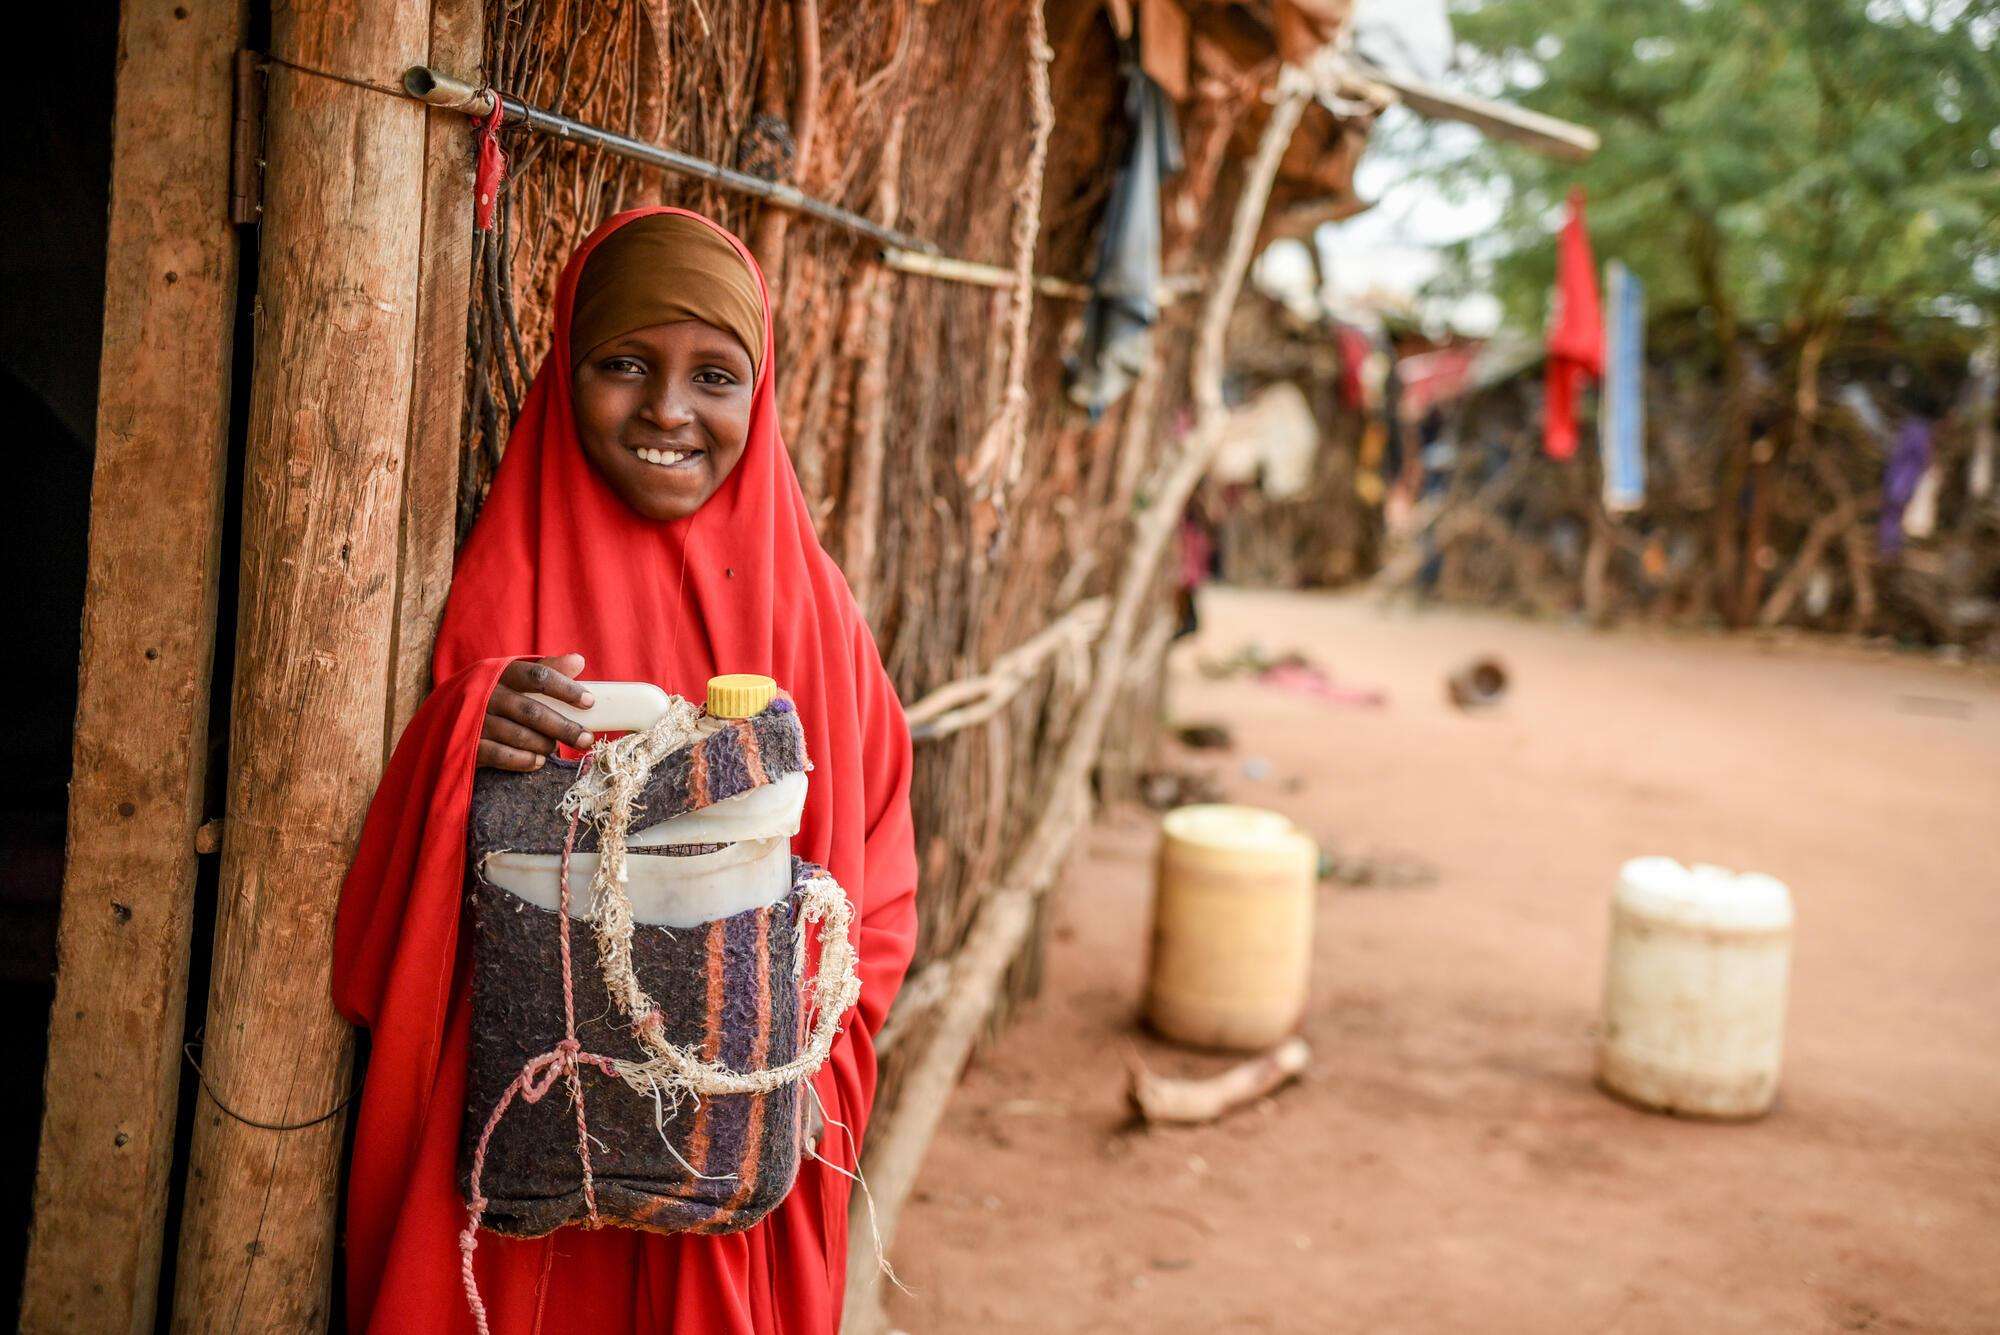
1447	1165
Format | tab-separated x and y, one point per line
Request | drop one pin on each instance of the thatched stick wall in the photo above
1005	913
1510	527
890	380
955	578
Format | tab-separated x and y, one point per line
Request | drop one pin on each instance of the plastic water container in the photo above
1232	927
1694	989
745	851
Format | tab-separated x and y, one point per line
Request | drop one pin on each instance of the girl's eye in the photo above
714	377
622	366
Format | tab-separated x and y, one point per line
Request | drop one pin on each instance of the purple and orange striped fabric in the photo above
730	989
522	812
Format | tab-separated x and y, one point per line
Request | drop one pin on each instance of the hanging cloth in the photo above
1576	333
1125	302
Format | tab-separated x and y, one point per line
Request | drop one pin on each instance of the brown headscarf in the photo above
662	268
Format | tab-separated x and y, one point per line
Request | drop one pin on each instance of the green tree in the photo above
1787	165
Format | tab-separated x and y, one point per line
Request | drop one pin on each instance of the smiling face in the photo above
664	413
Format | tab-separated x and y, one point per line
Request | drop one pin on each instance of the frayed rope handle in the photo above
605	796
607	785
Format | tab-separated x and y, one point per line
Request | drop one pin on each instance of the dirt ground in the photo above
1447	1164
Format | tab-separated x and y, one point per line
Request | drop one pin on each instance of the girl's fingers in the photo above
509	733
492	755
538	717
568	665
546	677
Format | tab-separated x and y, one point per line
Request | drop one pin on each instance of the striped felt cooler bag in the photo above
639	1060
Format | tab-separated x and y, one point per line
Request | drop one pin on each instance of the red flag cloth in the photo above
558	564
1576	333
1354	349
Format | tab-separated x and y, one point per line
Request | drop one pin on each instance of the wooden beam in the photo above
141	742
323	478
945	269
1497	120
979	275
1168	1100
429	518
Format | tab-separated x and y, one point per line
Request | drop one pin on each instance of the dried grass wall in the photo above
921	120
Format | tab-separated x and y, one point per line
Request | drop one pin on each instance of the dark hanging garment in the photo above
1125	303
1908	461
1393	448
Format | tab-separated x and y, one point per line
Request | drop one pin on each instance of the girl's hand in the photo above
521	734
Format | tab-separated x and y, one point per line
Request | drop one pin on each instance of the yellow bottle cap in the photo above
739	695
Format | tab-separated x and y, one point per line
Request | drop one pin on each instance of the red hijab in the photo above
559	564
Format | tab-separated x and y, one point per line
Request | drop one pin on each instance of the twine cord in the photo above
348	79
187	1051
671	1073
997	460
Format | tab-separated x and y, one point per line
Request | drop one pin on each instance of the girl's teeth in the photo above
661	456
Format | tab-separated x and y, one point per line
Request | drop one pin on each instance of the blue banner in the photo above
1621	420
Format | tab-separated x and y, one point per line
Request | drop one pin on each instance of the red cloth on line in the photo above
1354	348
491	172
1576	333
558	564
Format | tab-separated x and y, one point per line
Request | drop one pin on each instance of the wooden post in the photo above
437	391
141	745
329	414
1757	556
1597	565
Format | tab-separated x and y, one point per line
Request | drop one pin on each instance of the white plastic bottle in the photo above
1695	989
1232	927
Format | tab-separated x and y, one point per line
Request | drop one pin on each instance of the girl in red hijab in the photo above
645	525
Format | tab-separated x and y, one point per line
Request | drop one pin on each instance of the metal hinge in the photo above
246	146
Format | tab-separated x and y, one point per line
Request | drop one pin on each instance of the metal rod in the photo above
906	254
441	90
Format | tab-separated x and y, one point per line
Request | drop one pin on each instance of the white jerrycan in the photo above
705	865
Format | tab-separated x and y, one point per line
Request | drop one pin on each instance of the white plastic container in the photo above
751	867
748	859
1694	989
1232	927
615	706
